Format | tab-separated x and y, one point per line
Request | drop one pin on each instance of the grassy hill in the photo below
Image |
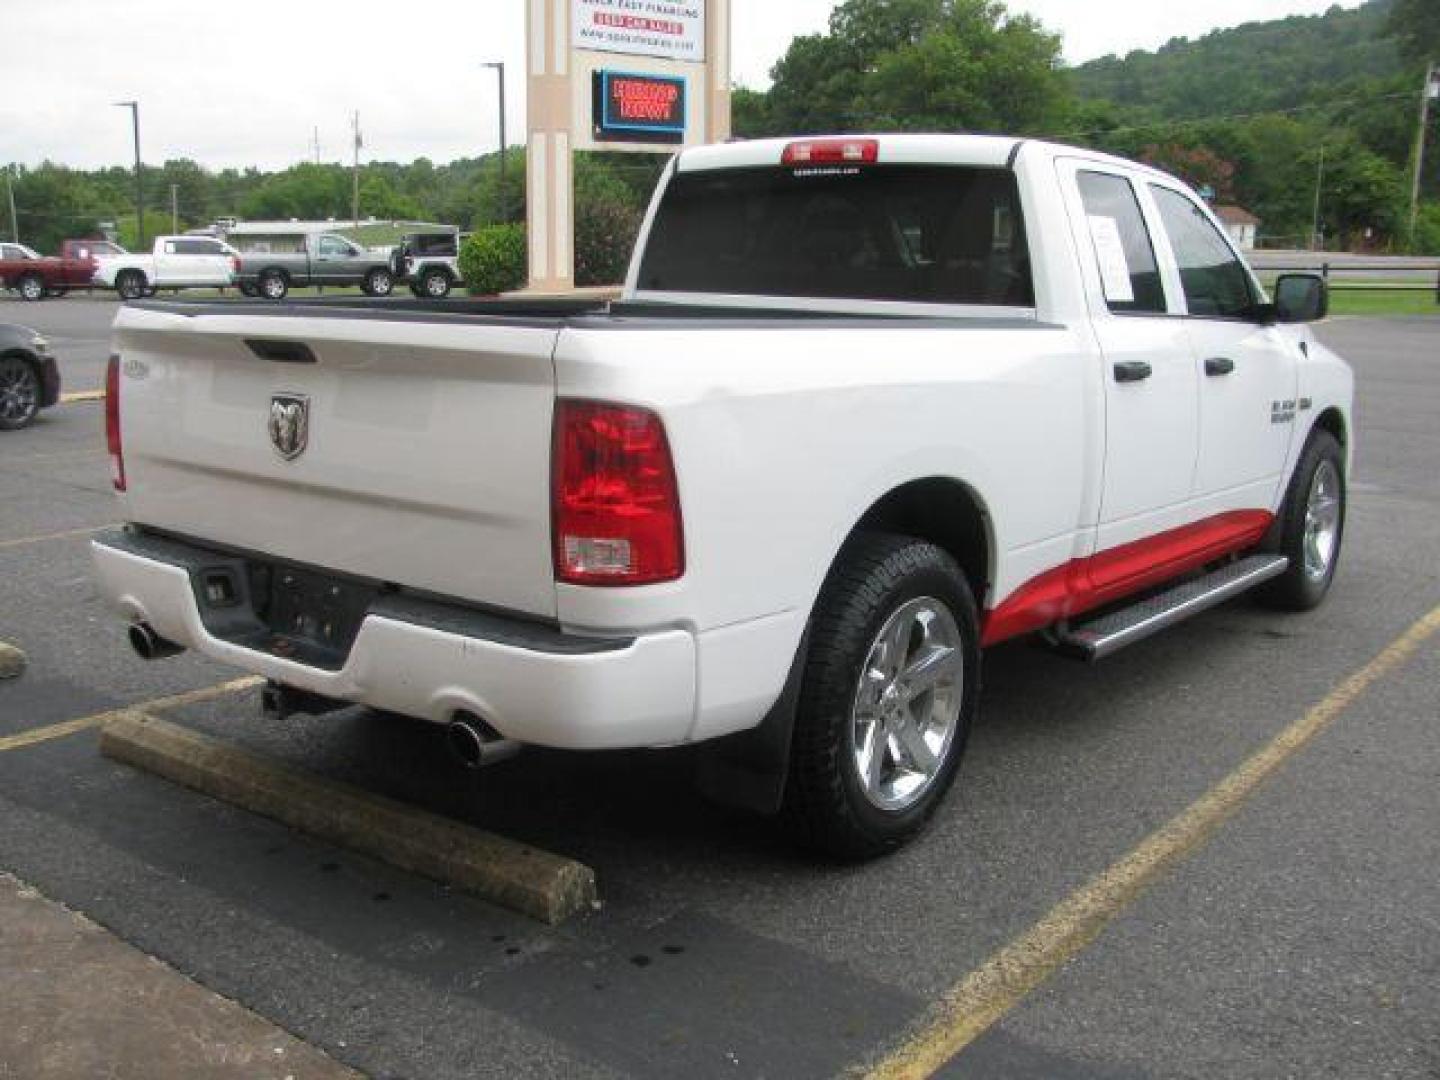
1257	67
1249	110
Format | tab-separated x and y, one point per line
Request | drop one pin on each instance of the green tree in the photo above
1415	24
891	65
314	192
1363	195
379	199
53	203
750	113
1198	166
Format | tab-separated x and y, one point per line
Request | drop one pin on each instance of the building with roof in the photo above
1240	224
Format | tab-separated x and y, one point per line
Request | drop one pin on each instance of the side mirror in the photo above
1301	298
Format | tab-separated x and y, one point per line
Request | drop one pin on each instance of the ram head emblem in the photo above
289	424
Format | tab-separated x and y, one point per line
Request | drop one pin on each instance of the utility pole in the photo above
499	67
1429	92
317	144
14	218
134	107
1315	217
355	173
174	209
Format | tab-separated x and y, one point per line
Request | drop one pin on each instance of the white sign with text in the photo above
668	29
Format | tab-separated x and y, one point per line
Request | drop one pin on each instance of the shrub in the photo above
1427	230
493	259
605	231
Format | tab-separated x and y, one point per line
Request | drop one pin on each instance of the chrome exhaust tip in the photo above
476	744
149	645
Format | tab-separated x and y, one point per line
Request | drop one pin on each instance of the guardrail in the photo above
1326	270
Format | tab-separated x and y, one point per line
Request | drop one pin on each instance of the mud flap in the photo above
748	770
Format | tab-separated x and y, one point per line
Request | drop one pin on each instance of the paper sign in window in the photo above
1114	267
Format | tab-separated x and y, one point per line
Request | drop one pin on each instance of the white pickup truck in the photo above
868	406
176	262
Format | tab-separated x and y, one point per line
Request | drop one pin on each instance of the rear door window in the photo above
927	234
1129	273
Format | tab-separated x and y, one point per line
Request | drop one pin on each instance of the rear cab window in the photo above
937	235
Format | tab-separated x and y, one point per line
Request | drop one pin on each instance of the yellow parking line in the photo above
84	723
66	535
82	395
998	985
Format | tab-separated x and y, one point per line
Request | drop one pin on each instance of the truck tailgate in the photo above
425	457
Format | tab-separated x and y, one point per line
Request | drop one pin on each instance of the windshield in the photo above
928	234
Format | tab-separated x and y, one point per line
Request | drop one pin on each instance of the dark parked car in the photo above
29	377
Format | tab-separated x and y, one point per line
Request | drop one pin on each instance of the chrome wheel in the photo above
1322	521
437	285
274	287
906	706
19	392
31	288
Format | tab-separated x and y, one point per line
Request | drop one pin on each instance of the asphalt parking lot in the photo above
1300	938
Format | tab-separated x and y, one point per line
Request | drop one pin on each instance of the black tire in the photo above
1306	583
379	282
247	288
877	576
130	284
273	285
19	392
435	284
31	287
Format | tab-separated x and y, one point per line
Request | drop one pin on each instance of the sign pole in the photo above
550	196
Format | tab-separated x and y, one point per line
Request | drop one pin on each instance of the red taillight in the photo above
112	423
235	263
616	506
832	152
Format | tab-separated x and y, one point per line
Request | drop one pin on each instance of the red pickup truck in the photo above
36	276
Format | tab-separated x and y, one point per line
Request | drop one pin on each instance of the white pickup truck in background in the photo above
867	407
176	262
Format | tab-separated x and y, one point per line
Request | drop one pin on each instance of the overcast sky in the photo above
243	84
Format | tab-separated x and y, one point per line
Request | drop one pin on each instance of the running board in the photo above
1110	633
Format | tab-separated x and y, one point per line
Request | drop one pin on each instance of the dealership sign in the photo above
618	76
666	29
632	107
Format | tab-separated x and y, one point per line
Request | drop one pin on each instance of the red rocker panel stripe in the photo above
1084	584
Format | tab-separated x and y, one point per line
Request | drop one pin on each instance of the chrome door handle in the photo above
1133	371
1219	365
